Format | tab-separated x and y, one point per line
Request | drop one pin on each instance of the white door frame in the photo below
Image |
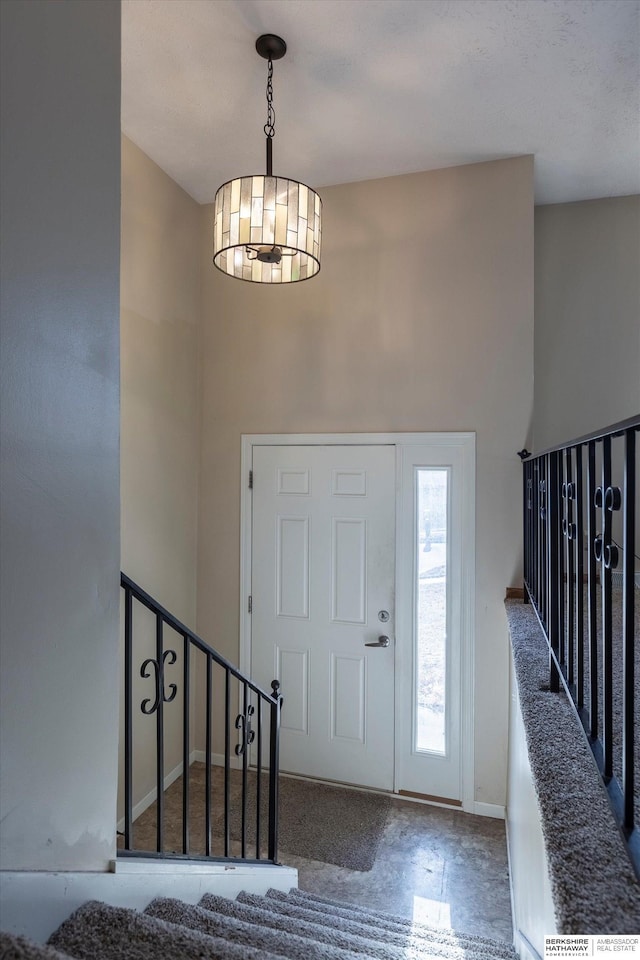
463	440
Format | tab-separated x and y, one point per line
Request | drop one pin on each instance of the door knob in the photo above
380	642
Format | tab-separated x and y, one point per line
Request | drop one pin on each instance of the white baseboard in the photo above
617	579
196	756
151	797
34	903
217	759
512	896
524	948
488	810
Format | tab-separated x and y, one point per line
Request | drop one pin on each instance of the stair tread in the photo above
438	941
311	932
16	947
386	921
346	937
274	939
97	931
279	926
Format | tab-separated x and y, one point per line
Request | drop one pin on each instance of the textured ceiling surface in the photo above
375	88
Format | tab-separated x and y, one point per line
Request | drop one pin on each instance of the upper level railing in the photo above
226	811
580	555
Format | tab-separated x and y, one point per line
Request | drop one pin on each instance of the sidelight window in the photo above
431	589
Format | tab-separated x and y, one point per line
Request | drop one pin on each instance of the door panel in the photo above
323	567
292	567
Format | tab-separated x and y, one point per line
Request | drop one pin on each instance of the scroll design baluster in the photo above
158	671
247	734
604	548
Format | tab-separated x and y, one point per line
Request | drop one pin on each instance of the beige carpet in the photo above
295	926
593	885
320	822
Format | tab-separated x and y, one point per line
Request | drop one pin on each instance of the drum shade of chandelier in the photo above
267	229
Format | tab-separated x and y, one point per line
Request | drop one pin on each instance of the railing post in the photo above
245	745
227	762
579	555
541	566
159	738
274	762
554	568
526	525
594	706
543	541
128	719
628	659
258	777
569	532
186	702
207	759
607	623
557	494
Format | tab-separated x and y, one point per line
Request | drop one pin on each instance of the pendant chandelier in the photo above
267	229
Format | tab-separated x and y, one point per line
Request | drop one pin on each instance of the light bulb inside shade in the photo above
267	230
269	254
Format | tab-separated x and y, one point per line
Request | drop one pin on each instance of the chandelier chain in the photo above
270	125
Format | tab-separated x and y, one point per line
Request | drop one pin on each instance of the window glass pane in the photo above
431	608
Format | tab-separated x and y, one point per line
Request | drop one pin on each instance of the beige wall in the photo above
420	319
159	329
587	317
60	548
160	432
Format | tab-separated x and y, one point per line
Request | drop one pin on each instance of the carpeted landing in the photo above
294	925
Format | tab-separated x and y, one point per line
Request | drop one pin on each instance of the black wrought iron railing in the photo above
225	806
580	572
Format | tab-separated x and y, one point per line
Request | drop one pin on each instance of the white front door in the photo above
322	585
352	539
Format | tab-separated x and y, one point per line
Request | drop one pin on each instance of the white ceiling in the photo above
375	88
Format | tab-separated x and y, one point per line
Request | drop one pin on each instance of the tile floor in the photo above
433	865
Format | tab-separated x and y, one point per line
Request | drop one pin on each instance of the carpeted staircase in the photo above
295	925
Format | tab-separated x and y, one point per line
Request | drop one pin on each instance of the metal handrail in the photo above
614	430
253	699
171	621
